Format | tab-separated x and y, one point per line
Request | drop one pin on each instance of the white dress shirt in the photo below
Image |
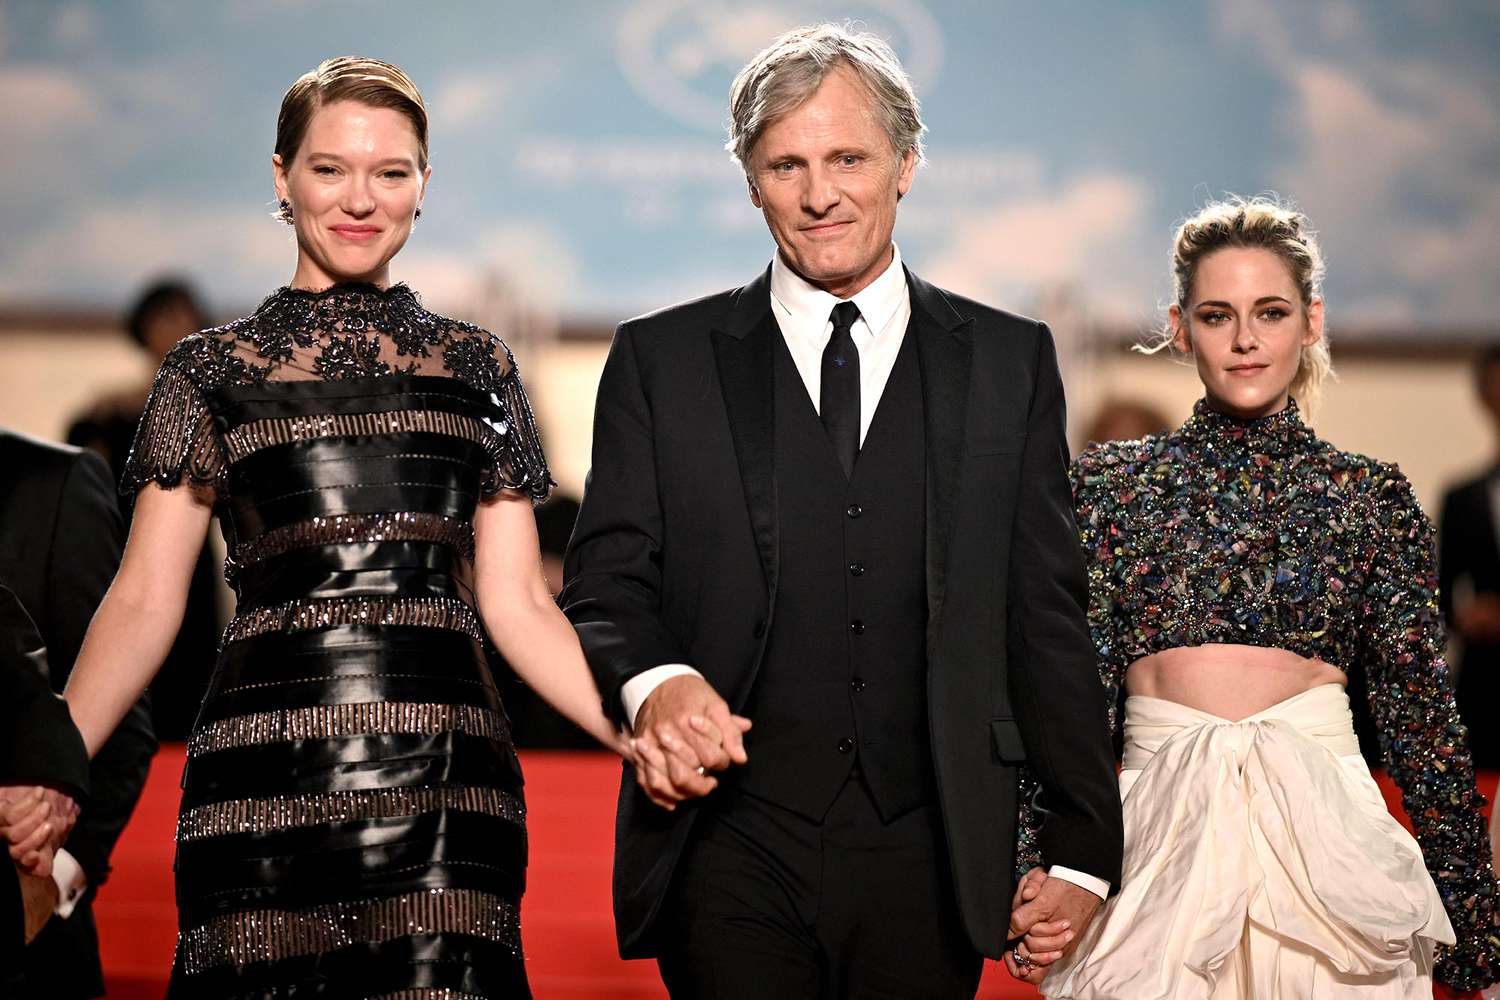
804	314
71	883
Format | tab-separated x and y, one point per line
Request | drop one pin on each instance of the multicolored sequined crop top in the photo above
1259	533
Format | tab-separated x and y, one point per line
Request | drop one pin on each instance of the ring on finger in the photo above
1023	962
699	769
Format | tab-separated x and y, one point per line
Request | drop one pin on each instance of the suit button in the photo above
858	684
760	628
857	627
846	745
856	569
854	510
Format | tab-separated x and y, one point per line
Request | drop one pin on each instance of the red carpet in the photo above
569	933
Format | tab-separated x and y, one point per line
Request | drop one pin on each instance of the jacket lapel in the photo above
744	344
945	352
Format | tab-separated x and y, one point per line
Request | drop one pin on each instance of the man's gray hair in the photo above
789	70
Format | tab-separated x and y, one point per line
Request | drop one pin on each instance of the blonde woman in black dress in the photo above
352	821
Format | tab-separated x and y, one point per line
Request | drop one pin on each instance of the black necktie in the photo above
839	393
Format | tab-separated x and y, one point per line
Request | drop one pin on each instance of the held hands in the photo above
1049	914
683	731
34	822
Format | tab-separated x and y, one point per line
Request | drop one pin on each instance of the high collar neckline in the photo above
359	289
1276	434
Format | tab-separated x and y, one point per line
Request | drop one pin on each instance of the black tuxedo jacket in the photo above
60	541
1468	548
674	560
1467	544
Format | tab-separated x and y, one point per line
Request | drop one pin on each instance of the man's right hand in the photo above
683	731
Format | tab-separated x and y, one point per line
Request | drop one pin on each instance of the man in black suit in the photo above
835	501
1469	582
39	749
60	543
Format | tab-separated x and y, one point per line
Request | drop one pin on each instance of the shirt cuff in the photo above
634	691
71	883
1098	886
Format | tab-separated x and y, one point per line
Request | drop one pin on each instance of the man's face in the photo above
826	179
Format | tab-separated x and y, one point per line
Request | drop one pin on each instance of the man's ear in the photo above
754	192
906	172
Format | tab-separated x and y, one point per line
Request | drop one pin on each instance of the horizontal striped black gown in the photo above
352	820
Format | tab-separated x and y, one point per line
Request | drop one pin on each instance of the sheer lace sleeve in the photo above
521	465
1420	733
482	360
176	438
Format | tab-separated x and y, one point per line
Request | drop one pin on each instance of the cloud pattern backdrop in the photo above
578	162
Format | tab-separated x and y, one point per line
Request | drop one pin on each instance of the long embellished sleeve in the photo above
1101	547
1421	737
1087	475
176	438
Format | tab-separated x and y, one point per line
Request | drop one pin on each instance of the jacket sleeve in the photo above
613	563
85	553
1422	739
1054	671
38	743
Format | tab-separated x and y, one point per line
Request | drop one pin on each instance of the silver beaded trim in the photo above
318	722
349	529
296	616
249	438
428	994
273	935
290	812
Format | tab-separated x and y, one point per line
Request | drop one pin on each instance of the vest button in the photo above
846	745
857	627
760	628
858	684
854	510
856	569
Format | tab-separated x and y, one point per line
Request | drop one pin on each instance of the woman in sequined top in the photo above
1239	568
352	819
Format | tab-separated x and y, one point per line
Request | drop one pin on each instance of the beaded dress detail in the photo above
352	818
1259	533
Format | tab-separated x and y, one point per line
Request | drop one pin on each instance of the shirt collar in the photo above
807	303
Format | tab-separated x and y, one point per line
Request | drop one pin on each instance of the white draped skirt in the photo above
1260	862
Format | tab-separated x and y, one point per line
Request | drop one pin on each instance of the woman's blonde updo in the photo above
348	78
1263	223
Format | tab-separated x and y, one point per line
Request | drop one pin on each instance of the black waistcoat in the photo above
845	670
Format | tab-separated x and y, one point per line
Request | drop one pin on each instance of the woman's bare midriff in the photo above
1227	680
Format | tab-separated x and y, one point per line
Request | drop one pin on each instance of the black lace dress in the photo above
352	821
